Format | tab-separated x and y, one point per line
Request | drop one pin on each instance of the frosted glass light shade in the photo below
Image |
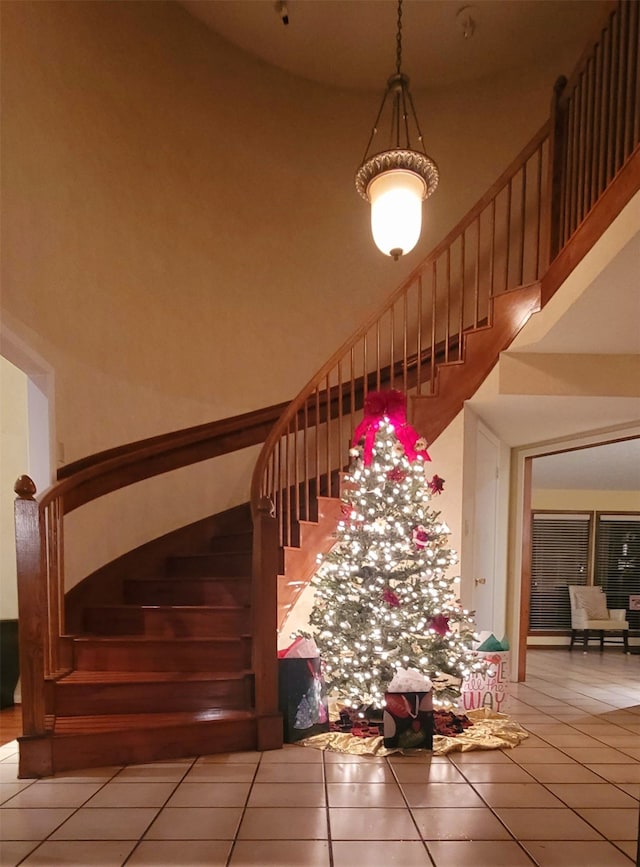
396	210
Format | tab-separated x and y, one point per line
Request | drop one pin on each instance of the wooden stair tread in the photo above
88	676
187	578
75	725
132	606
156	639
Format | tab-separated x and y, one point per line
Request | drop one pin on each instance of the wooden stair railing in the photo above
552	203
423	326
45	647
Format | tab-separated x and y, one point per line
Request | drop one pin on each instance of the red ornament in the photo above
390	598
346	508
397	474
439	624
436	485
420	536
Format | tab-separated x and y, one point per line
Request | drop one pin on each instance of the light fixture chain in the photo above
399	39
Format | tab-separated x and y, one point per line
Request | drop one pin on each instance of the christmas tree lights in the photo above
383	600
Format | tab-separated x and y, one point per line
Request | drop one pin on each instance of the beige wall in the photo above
181	236
13	463
590	501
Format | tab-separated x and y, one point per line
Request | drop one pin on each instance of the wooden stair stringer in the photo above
458	381
300	562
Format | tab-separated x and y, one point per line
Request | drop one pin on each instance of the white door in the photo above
485	530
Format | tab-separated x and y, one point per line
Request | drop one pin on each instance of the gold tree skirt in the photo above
490	731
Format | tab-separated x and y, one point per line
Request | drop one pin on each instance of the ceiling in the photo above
352	43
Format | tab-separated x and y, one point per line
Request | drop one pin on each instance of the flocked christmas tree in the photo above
383	599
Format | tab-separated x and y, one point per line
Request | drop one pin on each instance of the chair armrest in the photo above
617	613
579	619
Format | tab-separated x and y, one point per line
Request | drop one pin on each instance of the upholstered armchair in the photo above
589	613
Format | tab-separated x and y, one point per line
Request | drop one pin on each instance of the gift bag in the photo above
489	688
408	720
301	693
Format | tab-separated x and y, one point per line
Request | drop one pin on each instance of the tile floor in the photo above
567	797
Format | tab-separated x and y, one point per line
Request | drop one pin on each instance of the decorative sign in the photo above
634	603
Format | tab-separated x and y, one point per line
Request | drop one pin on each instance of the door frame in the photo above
520	519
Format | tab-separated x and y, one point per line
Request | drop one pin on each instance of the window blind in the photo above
617	561
559	557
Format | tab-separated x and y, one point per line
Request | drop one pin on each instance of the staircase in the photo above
164	671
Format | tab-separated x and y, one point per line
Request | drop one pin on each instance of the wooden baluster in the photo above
476	287
492	252
296	469
556	186
612	90
305	446
378	355
447	306
581	146
32	605
539	152
523	216
340	415
287	484
619	93
404	341
392	356
604	108
507	239
432	348
317	433
280	503
587	180
352	397
419	338
327	387
597	122
463	265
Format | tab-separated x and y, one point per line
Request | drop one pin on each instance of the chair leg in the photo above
601	640
585	640
573	638
625	640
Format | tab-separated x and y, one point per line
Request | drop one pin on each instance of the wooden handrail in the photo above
88	478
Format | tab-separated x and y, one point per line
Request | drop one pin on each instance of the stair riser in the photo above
209	565
123	655
237	543
75	699
199	592
167	623
147	745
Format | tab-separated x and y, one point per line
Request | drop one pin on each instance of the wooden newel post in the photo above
556	183
32	606
265	624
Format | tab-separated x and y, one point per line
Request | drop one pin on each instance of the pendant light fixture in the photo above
398	179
